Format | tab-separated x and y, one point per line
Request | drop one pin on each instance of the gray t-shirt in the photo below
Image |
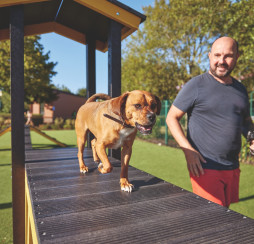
216	119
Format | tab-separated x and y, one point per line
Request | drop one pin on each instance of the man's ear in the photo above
237	56
118	104
158	105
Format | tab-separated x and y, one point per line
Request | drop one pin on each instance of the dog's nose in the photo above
151	117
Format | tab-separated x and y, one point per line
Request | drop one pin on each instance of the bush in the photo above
69	124
5	115
58	123
55	127
1	121
45	126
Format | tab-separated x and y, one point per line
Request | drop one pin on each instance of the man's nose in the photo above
221	60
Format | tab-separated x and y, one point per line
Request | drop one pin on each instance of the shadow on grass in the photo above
1	165
5	149
246	198
5	205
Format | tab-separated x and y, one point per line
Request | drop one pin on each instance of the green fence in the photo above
251	96
165	133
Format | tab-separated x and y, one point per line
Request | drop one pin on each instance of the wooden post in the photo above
17	122
114	68
90	67
90	76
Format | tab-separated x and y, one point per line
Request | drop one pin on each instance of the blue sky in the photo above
71	57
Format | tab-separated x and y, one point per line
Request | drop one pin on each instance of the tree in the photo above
38	71
81	92
5	102
175	40
241	27
63	88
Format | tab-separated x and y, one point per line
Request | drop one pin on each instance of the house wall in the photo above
48	115
66	105
35	108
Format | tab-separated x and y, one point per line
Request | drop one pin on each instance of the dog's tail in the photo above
94	97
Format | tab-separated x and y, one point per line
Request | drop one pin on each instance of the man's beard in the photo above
221	75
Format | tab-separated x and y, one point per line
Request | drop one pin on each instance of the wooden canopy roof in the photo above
74	19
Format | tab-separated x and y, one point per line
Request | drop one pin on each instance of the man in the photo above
218	113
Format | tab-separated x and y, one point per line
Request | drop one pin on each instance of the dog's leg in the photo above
95	156
125	158
106	166
81	145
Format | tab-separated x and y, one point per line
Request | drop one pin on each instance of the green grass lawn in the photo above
164	162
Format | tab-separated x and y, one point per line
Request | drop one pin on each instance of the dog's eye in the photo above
137	106
153	106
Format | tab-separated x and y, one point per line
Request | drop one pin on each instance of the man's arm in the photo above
193	157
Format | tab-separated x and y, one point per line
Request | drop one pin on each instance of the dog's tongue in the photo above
148	128
144	129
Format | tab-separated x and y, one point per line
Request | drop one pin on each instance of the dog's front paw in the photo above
125	185
83	169
104	170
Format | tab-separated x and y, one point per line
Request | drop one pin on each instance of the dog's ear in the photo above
158	105
118	104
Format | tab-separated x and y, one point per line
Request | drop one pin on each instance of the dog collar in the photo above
118	121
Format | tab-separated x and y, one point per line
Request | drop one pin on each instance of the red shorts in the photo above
219	186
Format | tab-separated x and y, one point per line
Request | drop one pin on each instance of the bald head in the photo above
228	41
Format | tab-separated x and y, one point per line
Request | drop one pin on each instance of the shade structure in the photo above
74	19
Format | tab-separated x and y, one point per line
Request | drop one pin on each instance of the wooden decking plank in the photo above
90	188
60	166
101	200
75	173
80	180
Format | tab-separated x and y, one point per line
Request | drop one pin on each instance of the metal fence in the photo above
251	96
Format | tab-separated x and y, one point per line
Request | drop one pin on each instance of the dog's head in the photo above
138	109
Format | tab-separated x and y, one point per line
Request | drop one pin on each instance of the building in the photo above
65	106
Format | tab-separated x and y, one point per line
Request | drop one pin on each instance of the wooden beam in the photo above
17	122
113	12
31	234
114	67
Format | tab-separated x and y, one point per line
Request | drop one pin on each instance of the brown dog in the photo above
114	123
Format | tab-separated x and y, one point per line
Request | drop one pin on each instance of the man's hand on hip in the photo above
194	160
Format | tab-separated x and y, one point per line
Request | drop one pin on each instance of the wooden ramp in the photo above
72	208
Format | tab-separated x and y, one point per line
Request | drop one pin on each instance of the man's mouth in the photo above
222	67
144	129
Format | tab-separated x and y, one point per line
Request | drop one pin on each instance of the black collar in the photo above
118	121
